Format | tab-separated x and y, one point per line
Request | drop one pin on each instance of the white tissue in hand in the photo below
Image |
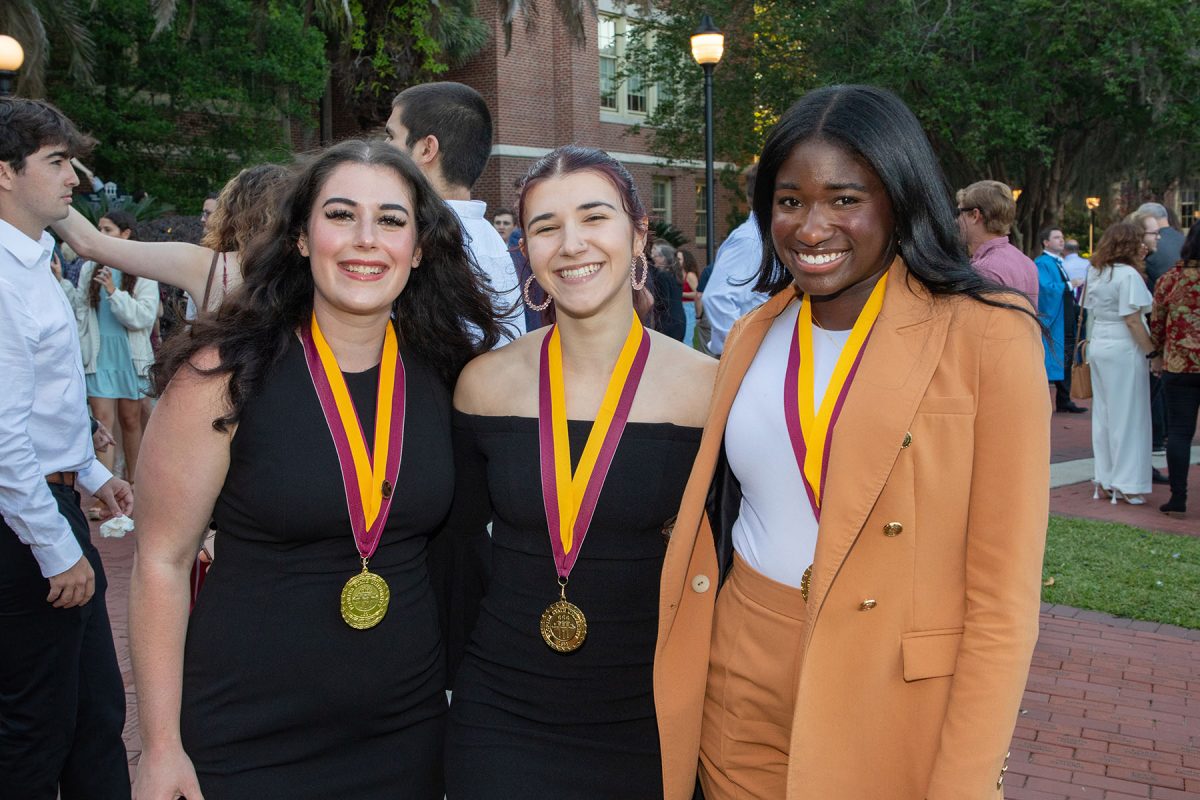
116	527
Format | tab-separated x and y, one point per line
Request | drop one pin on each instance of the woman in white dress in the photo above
1119	345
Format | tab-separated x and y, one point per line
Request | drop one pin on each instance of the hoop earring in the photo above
529	302
638	285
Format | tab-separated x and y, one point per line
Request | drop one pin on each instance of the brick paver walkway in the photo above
1071	439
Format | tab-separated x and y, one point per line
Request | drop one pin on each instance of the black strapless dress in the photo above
281	698
526	721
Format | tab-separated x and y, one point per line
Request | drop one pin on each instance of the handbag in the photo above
1081	370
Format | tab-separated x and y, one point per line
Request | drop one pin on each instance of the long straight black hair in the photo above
876	126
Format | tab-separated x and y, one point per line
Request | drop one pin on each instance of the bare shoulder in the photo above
682	379
499	382
196	395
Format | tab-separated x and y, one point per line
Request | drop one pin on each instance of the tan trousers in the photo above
752	674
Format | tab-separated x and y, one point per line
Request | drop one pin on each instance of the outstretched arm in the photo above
175	263
182	467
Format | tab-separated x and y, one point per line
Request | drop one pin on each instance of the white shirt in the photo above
1076	267
44	424
776	530
490	252
729	293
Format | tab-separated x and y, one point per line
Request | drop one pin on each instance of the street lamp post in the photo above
12	56
1092	204
708	45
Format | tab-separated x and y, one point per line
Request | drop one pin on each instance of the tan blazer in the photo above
935	508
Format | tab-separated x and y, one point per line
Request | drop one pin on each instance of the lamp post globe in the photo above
12	56
708	45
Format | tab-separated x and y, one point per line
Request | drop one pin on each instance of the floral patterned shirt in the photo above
1175	320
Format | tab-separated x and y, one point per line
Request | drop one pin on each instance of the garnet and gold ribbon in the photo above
570	499
368	476
809	428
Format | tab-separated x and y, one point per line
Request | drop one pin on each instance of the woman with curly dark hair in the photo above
1118	347
310	417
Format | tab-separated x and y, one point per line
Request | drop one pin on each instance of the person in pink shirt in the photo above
986	211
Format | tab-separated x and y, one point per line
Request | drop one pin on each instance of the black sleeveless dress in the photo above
281	698
526	721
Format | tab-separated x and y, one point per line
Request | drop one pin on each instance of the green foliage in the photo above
1123	570
1057	97
178	116
393	44
147	208
668	233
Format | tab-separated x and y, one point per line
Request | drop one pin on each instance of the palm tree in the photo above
29	21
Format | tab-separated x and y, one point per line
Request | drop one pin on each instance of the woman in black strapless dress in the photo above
281	684
526	718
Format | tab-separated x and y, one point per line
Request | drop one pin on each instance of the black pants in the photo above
1158	412
1182	390
62	702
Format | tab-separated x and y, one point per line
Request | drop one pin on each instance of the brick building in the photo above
548	90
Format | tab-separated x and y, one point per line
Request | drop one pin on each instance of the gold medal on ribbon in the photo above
570	499
369	477
563	626
365	599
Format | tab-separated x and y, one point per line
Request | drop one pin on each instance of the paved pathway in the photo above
1112	707
1071	486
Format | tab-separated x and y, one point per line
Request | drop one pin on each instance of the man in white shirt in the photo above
1075	265
62	701
730	291
446	129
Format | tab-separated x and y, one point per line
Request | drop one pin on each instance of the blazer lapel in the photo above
902	353
735	362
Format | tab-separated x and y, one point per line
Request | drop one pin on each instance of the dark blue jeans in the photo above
1182	391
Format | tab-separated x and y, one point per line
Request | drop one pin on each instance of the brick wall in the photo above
545	92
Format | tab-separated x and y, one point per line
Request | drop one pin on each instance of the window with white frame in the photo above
1189	207
628	94
660	199
701	214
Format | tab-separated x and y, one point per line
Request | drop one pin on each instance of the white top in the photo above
44	424
1116	293
776	530
490	252
1076	267
729	293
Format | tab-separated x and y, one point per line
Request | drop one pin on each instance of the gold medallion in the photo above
365	600
563	626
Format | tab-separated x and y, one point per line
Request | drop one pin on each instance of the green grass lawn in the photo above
1123	570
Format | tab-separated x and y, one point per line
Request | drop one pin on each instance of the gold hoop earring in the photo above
638	285
529	301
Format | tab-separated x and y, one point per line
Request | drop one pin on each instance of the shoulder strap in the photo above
212	270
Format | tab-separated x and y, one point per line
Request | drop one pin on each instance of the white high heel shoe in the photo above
1132	499
1098	490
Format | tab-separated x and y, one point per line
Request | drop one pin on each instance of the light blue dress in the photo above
115	376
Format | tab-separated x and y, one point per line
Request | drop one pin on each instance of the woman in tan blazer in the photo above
849	601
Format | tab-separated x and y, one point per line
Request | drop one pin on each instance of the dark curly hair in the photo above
444	315
876	126
243	208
